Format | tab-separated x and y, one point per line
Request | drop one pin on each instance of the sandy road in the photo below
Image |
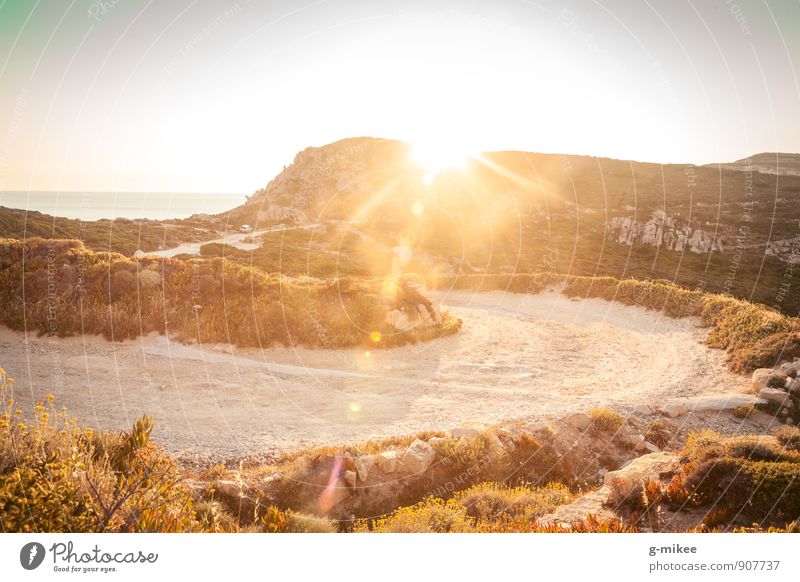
531	357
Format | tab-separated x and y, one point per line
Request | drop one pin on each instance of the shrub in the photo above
754	490
789	437
58	477
495	501
433	515
214	518
262	308
747	477
605	420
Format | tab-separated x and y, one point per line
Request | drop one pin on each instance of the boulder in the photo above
644	409
418	457
790	369
761	378
463	433
350	478
714	402
636	440
387	461
230	488
623	483
775	395
651	448
675	408
793	387
579	420
364	465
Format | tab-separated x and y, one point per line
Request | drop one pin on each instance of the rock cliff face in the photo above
321	178
662	231
787	250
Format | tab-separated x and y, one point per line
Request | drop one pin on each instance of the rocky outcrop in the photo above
662	231
786	250
277	213
418	457
618	486
779	387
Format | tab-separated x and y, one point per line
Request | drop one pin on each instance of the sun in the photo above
438	155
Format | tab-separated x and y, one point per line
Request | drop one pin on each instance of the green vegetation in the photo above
605	420
120	235
59	288
483	507
743	479
58	477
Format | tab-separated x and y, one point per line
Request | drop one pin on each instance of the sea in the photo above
98	205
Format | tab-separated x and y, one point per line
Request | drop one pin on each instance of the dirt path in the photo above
518	356
235	240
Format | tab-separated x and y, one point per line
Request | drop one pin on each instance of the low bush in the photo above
58	477
749	478
789	437
60	289
605	420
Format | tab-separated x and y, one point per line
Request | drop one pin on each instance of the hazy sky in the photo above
216	96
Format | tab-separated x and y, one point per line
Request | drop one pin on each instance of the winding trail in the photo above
529	357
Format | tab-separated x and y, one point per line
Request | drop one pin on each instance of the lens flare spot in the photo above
355	407
427	179
375	336
417	208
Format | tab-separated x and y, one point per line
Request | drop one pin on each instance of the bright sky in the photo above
202	96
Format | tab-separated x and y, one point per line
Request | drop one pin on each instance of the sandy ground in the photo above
532	357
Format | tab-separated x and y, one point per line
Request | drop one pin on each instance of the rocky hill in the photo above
781	164
710	227
368	209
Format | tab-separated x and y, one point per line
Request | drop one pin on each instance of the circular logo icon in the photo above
31	555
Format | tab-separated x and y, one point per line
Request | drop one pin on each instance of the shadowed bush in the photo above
59	288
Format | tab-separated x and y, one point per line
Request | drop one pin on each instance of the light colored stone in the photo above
721	401
644	409
793	387
579	420
669	231
364	465
761	378
650	447
636	440
789	368
350	478
624	482
789	420
774	395
418	457
463	433
230	488
536	427
675	408
387	461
